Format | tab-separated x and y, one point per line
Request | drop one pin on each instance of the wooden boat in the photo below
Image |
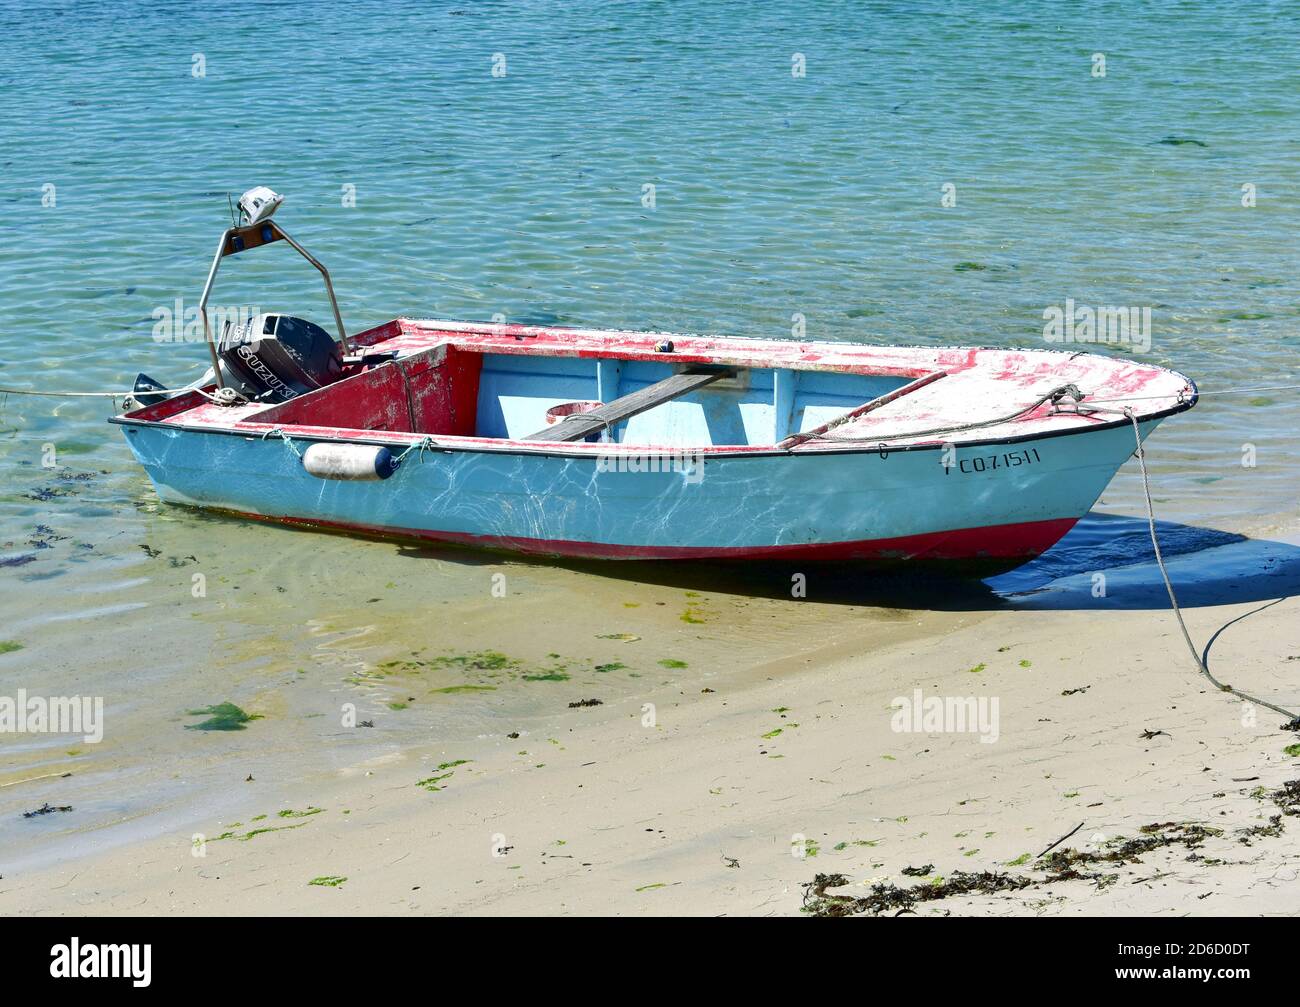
591	443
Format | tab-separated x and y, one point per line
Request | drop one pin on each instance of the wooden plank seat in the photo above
580	425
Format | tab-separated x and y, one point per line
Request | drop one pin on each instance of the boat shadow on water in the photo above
1105	562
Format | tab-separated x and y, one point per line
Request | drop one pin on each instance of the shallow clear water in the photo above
522	195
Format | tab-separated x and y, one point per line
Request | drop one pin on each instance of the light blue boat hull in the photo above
997	502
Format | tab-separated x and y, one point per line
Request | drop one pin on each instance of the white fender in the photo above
352	462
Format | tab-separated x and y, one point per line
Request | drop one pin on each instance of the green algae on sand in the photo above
483	660
253	833
443	771
221	717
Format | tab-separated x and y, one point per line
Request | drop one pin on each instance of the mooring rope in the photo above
72	395
1056	395
425	443
211	397
277	432
1202	392
1173	599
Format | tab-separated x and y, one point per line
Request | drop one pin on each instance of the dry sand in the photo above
702	813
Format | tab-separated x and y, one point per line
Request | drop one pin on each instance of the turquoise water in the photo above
522	195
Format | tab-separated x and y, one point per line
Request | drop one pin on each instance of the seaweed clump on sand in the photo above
1060	865
1287	797
884	896
1272	830
47	809
1064	865
1287	800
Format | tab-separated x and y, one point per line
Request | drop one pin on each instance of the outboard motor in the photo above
279	357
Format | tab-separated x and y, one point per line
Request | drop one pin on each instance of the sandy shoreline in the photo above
699	814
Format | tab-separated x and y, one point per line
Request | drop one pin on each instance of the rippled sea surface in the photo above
433	186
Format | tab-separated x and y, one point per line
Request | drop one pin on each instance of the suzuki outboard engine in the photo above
279	357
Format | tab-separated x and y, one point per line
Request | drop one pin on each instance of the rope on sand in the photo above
1173	599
